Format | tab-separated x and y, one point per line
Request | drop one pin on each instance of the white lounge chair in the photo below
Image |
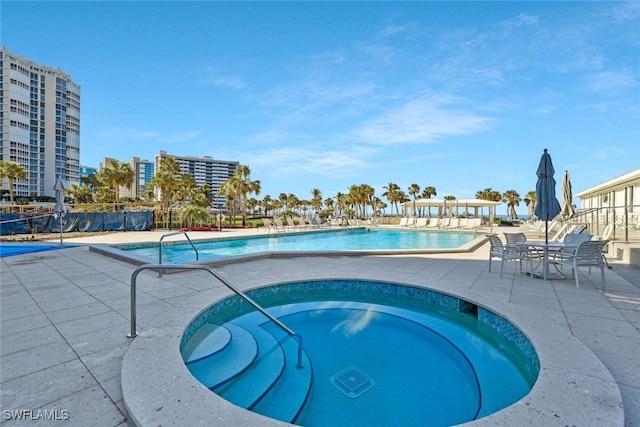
421	222
433	223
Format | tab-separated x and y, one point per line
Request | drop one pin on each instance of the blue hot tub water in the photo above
382	354
358	239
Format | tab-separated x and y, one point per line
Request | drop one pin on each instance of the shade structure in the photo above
547	207
567	210
59	209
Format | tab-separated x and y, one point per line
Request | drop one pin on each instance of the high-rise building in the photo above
39	123
205	170
144	170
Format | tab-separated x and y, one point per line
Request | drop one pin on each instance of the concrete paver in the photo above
65	316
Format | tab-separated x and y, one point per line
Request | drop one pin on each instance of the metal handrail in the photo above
173	234
224	281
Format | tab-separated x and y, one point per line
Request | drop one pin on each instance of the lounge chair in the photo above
433	223
421	222
474	223
292	225
587	254
453	223
316	221
280	225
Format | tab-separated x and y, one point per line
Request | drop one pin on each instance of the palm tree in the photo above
11	171
185	188
329	203
488	194
392	194
191	213
316	199
368	193
448	198
428	192
116	175
512	199
282	197
166	181
531	199
245	186
414	189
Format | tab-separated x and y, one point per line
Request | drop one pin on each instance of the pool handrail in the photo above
173	234
224	281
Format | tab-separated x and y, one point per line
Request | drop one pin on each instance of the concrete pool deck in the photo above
65	316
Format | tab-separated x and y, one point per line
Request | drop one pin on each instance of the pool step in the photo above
224	365
287	397
245	390
207	341
255	368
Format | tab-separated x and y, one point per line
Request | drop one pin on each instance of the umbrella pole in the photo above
546	231
60	229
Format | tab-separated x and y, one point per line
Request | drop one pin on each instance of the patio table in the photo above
546	248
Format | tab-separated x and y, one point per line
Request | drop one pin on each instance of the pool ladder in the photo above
160	267
174	234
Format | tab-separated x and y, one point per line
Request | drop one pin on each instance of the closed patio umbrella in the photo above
59	209
547	207
567	210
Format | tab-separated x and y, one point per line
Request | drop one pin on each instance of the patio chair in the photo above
515	238
505	252
587	254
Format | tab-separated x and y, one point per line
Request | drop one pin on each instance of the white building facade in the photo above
619	197
205	170
40	124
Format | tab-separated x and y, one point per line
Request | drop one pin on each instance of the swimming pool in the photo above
375	354
358	239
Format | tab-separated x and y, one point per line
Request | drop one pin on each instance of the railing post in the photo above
224	281
134	276
299	339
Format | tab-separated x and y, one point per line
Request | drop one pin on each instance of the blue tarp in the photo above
75	221
90	221
139	221
114	221
9	225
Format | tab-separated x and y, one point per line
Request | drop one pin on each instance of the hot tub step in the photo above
258	379
207	341
227	364
295	383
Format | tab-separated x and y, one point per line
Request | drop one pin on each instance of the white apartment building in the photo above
204	170
39	124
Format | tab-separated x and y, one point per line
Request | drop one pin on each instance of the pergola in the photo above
448	207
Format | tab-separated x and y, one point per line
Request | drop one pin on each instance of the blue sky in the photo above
460	96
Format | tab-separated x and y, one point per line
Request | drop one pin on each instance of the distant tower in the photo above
204	170
40	124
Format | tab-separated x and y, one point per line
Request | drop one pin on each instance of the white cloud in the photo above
120	135
421	121
213	77
609	153
611	81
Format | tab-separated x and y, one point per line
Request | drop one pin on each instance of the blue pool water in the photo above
339	240
375	354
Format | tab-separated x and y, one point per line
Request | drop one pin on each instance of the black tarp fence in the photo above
17	223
